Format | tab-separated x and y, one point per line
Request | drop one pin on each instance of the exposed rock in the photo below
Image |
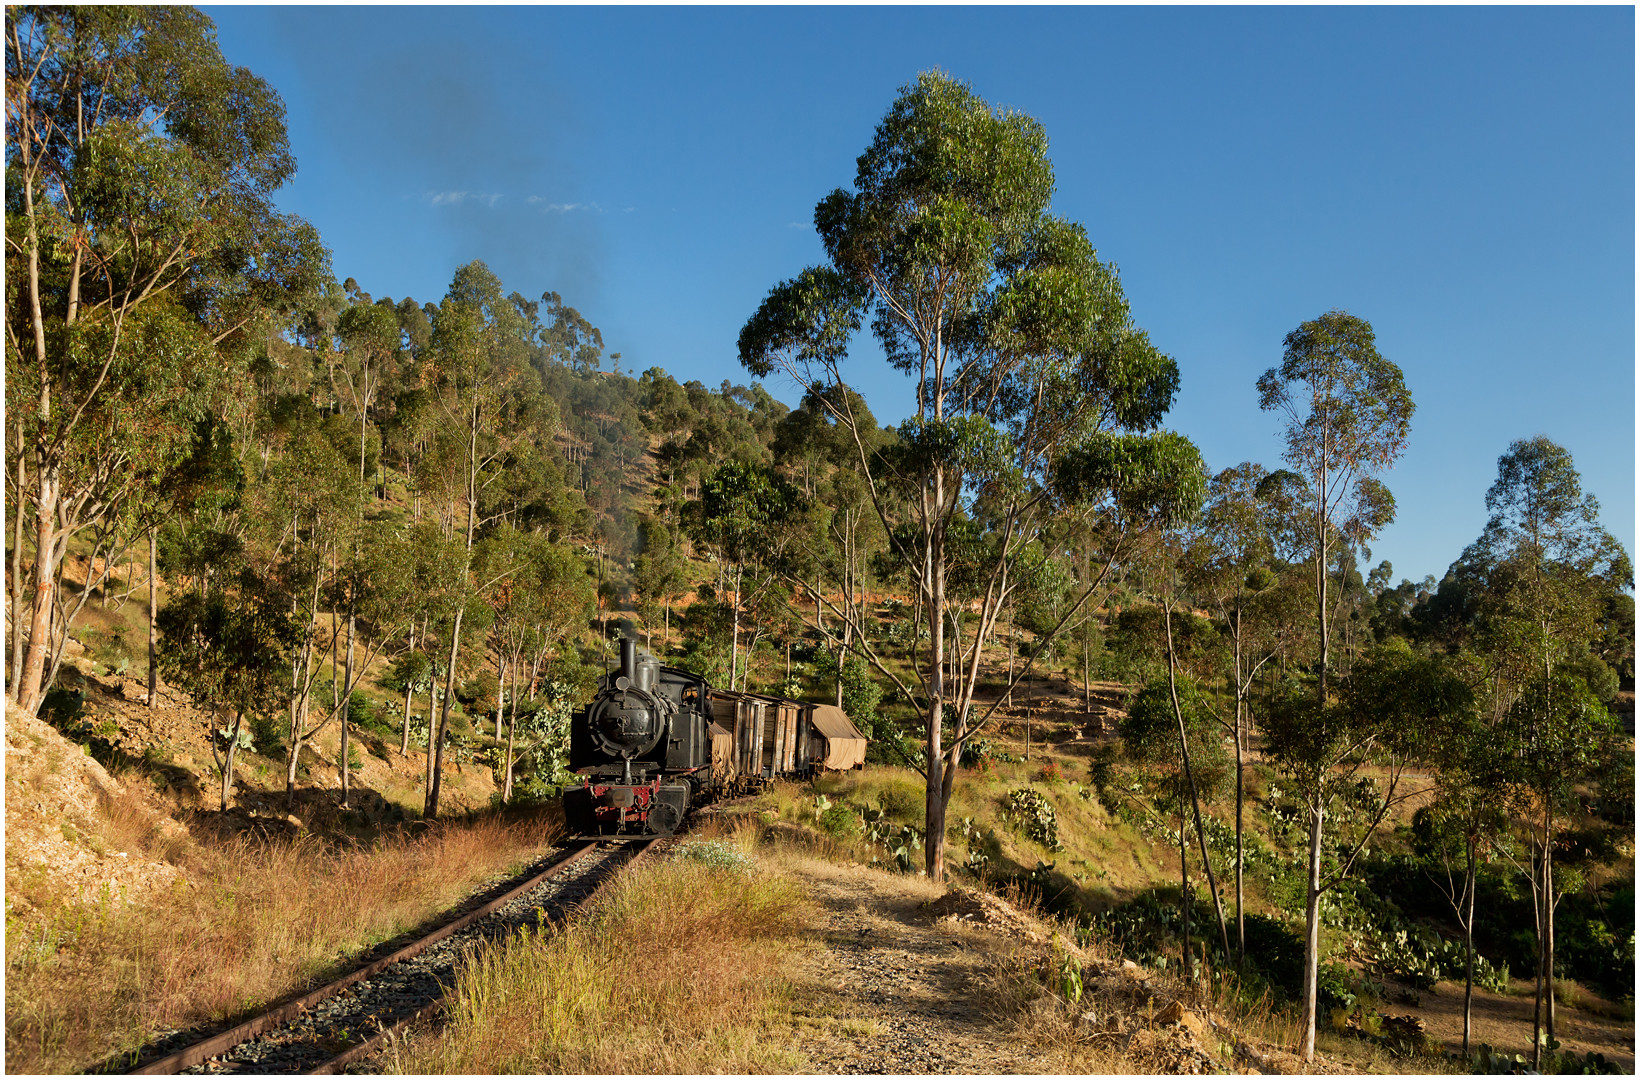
56	805
1175	1013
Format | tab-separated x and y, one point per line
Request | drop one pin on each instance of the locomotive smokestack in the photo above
629	660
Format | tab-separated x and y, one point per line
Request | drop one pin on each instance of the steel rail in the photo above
353	1053
290	1010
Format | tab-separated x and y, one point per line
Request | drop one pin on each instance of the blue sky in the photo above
1463	178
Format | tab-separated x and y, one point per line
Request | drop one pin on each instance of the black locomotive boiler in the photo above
656	741
641	744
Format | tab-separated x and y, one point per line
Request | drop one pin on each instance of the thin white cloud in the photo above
564	208
450	198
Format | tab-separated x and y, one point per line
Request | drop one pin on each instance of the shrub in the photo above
900	841
716	854
61	707
1033	815
1335	988
901	799
978	754
842	822
1050	773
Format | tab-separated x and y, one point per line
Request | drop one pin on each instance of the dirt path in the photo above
894	991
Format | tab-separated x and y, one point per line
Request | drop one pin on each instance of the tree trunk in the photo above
1312	935
1190	776
734	637
512	739
1241	788
1548	924
431	809
1241	925
1184	900
29	689
409	692
500	688
1087	672
153	617
934	823
404	728
299	690
228	758
1469	945
347	705
1537	998
1010	691
432	725
14	671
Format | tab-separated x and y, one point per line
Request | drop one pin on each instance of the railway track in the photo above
328	1029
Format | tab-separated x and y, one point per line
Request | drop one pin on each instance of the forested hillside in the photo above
315	509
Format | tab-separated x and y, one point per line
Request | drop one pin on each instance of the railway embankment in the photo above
131	915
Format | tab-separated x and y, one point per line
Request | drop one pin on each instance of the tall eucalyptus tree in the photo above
1032	385
147	252
1347	413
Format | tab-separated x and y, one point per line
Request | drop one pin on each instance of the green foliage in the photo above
1034	816
61	707
363	714
228	649
738	506
1374	930
1069	970
480	694
899	842
901	800
843	822
861	695
1336	988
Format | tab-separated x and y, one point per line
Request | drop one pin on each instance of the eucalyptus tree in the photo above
207	484
374	583
1545	569
227	646
1226	564
371	338
479	350
737	518
1026	365
1347	414
140	173
302	520
1168	730
658	575
1468	812
1386	716
832	550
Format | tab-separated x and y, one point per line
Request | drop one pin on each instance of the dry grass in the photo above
679	969
249	921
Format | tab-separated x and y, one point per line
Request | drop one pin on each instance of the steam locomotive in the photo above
656	741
